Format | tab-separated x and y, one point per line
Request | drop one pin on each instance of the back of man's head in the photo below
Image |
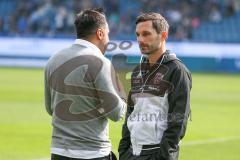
88	21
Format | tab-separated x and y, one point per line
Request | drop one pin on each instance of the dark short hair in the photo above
158	21
88	21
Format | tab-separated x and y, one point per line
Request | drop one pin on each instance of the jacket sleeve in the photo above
179	110
125	142
47	93
110	91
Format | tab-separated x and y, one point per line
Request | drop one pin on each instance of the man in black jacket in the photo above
159	99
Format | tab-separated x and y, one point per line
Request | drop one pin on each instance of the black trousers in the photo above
152	155
59	157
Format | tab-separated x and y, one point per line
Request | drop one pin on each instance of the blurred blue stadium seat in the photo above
125	12
7	6
225	31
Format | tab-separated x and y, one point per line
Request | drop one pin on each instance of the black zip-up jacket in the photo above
158	107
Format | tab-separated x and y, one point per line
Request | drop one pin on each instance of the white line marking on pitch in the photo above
213	140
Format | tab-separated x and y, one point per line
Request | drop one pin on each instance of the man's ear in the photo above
164	35
99	34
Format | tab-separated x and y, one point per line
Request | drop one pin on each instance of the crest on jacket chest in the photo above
157	78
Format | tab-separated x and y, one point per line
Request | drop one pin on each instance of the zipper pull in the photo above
142	88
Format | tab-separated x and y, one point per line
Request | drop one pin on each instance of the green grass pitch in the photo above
212	134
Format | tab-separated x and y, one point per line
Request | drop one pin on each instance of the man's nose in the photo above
140	39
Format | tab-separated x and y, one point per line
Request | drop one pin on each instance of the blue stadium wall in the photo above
198	57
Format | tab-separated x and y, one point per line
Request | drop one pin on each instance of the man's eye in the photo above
145	34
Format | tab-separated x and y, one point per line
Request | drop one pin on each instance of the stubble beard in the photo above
150	52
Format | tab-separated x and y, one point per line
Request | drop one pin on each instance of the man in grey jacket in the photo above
159	99
82	92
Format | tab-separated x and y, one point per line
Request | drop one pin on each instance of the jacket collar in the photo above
88	44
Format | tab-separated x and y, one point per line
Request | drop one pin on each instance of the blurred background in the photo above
203	33
190	20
